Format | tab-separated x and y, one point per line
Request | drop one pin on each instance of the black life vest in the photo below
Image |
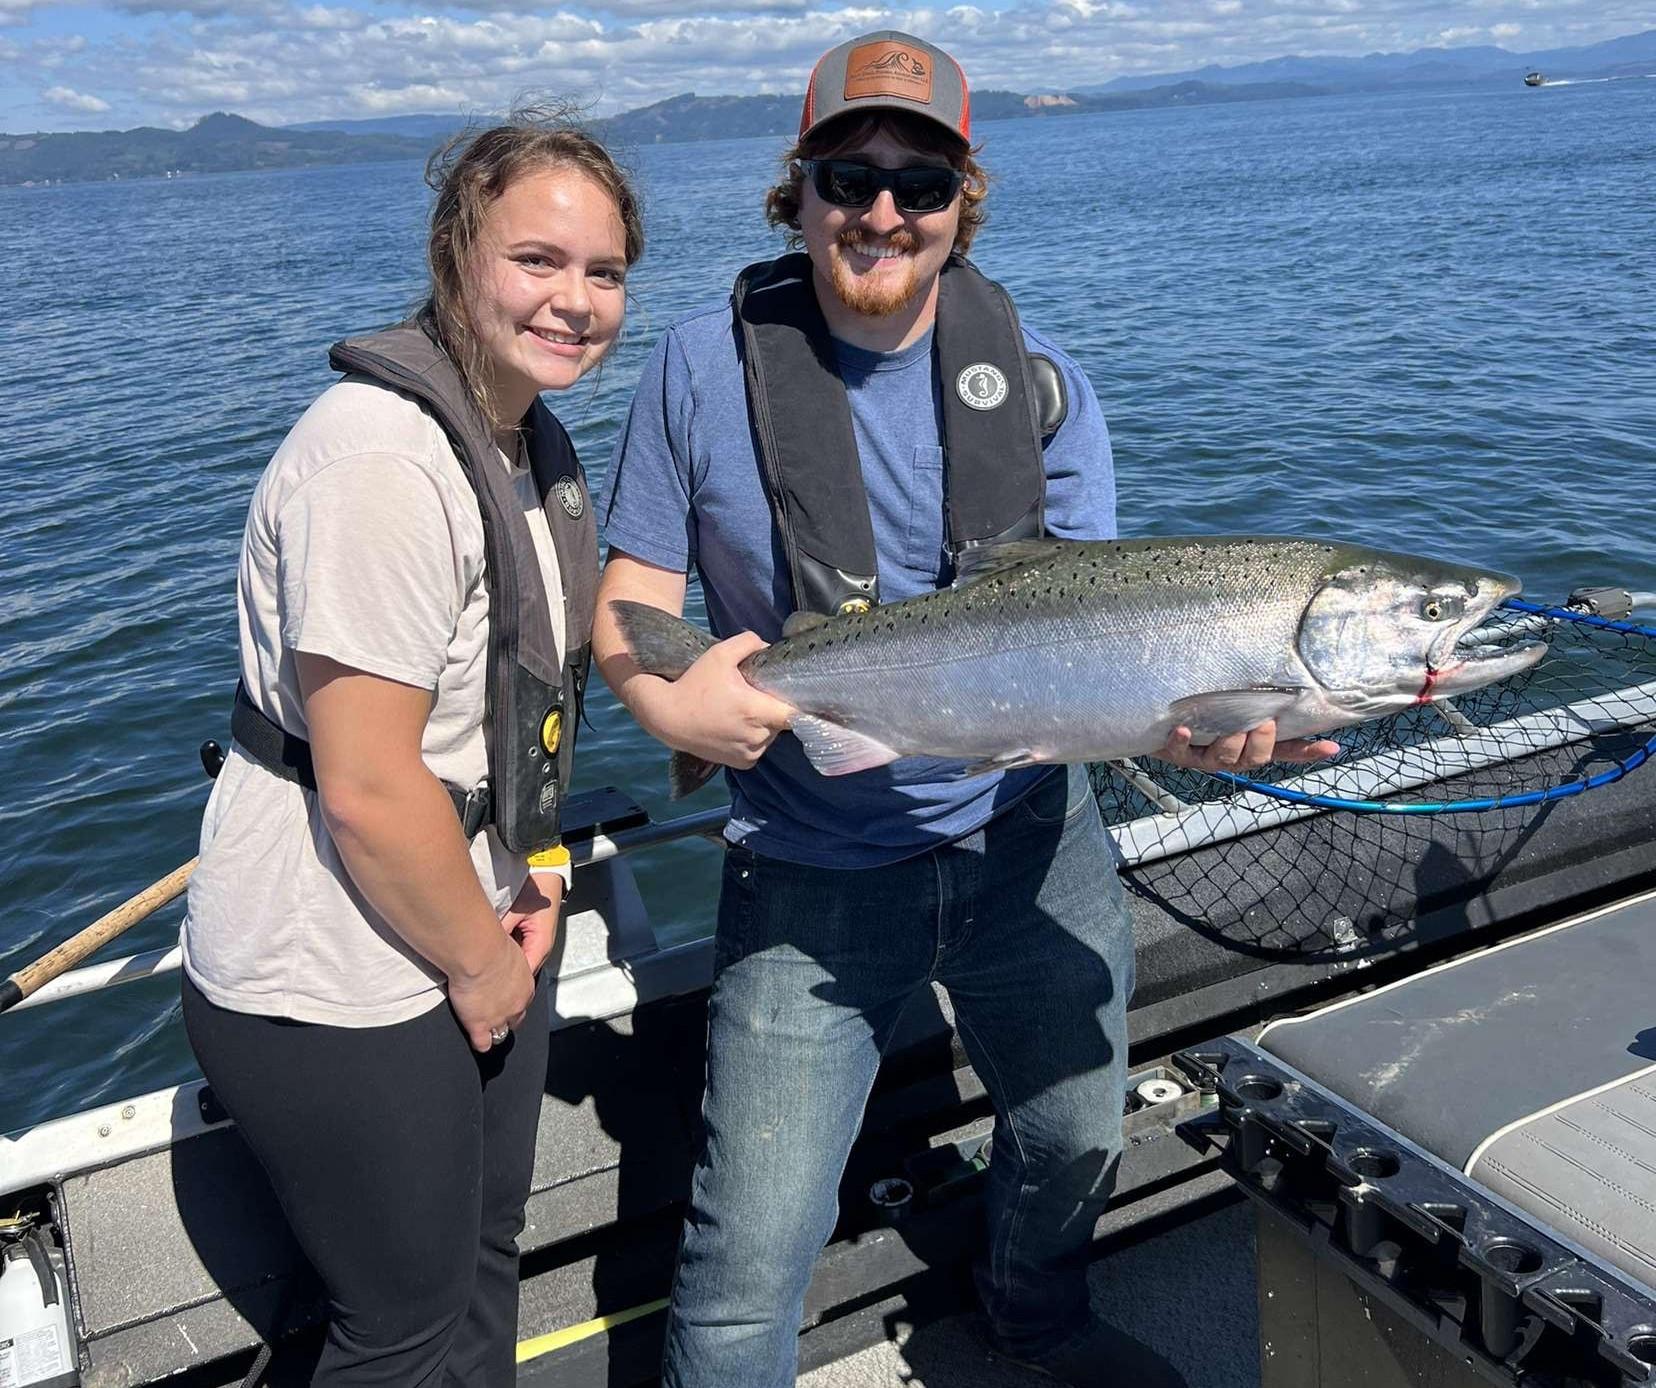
999	403
533	700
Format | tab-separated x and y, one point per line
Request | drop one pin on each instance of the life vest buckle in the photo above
477	809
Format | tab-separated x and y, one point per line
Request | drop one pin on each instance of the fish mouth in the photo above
1472	667
1472	654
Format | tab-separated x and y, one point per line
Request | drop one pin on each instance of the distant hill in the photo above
1633	53
218	143
692	117
431	128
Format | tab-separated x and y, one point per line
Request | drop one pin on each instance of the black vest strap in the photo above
532	700
801	420
289	757
991	428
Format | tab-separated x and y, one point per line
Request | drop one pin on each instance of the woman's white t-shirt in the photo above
363	544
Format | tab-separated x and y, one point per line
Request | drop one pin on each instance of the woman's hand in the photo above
1244	751
494	998
711	711
533	918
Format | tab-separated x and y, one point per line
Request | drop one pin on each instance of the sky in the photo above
125	63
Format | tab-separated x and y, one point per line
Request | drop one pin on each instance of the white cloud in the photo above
200	9
51	54
291	60
72	100
329	17
661	8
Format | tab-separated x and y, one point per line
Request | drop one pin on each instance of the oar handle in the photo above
28	980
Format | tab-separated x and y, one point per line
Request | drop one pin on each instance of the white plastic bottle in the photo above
36	1347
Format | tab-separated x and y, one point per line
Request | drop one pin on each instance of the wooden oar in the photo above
99	933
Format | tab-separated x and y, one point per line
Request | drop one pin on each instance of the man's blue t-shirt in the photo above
684	489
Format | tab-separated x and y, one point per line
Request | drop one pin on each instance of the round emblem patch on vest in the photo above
569	494
981	385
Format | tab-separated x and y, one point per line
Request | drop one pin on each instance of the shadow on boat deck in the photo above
1189	1292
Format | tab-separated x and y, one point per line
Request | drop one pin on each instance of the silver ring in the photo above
498	1034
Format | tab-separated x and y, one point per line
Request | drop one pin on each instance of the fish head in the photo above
1384	631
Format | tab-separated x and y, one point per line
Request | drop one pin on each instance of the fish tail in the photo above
661	643
687	773
666	645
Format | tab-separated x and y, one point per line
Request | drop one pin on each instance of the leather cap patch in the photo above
888	68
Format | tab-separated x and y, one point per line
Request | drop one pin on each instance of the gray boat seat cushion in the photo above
1587	1171
1531	1066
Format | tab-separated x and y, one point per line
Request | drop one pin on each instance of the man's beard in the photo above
865	295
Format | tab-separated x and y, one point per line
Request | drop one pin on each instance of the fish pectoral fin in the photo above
838	751
802	621
1225	711
1005	761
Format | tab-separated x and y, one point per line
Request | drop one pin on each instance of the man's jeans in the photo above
1023	922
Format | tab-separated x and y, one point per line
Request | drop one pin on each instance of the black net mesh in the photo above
1344	884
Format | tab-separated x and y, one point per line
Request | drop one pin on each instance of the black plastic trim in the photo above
1473	1274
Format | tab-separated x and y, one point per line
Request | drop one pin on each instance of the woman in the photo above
360	953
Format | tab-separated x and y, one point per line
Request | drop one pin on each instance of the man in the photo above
844	430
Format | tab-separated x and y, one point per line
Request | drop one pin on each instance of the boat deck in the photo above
1189	1292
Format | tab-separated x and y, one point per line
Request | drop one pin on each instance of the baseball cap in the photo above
888	70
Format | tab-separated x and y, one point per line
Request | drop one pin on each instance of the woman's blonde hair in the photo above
468	174
851	132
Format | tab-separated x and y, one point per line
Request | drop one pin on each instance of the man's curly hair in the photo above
848	133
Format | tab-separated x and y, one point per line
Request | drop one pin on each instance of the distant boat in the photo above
1533	79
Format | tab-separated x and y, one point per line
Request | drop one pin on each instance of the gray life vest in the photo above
1000	403
532	700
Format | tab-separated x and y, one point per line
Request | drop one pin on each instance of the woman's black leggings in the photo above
402	1160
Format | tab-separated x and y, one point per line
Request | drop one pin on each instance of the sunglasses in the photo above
847	183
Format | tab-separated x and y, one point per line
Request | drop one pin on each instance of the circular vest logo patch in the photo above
981	385
569	497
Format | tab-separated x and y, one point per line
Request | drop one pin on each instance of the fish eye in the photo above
1437	608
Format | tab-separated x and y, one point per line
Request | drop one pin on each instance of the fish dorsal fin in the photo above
802	621
837	751
982	560
1224	711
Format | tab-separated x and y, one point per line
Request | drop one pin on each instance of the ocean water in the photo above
1423	321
